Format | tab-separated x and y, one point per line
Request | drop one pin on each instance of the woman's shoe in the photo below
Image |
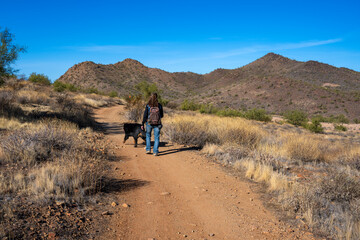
156	154
148	152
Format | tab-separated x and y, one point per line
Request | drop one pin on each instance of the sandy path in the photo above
182	195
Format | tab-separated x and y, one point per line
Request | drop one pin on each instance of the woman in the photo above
152	117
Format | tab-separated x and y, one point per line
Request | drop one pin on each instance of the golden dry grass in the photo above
91	102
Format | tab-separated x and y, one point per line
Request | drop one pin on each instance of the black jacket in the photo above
146	113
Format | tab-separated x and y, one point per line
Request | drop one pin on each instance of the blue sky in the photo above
197	36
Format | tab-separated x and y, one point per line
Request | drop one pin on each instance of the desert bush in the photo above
60	86
113	94
339	119
314	126
39	78
31	146
189	105
69	110
208	109
296	117
135	108
28	96
186	133
340	127
7	105
257	114
303	148
212	129
230	113
340	187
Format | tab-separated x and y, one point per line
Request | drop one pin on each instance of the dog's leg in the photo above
135	140
125	138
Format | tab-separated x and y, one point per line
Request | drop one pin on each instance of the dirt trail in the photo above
182	195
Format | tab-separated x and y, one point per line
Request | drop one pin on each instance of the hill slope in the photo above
273	82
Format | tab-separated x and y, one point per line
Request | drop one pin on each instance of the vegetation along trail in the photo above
182	195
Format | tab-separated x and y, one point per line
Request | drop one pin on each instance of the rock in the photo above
116	168
135	155
59	203
185	236
204	190
125	205
51	235
114	204
211	234
165	193
251	199
105	213
151	239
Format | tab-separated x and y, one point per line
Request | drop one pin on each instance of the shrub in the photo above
340	127
296	117
257	114
339	119
113	94
315	126
40	79
189	105
208	109
135	108
60	87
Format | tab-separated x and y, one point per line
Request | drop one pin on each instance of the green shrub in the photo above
113	94
357	121
40	79
340	127
208	108
339	119
189	105
314	126
257	114
92	90
296	117
60	86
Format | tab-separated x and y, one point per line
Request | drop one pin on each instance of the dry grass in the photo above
58	161
31	96
201	129
88	101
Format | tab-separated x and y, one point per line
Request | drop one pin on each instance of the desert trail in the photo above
183	195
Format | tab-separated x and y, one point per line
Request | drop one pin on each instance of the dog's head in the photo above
142	134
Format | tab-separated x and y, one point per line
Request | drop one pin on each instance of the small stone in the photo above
248	192
151	239
51	235
251	199
135	155
114	204
105	213
59	203
165	193
116	168
125	205
185	236
212	234
204	190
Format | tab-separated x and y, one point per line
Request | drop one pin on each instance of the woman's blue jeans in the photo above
149	128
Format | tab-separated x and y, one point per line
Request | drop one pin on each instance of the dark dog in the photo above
134	130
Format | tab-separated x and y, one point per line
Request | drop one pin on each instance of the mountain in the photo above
272	82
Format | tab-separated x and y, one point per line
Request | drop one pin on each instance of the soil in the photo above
181	194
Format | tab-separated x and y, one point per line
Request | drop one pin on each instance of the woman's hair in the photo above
153	101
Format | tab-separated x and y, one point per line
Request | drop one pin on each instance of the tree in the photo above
40	79
8	54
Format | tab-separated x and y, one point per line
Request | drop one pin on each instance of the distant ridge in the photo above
273	82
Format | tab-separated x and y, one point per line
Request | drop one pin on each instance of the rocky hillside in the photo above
273	82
